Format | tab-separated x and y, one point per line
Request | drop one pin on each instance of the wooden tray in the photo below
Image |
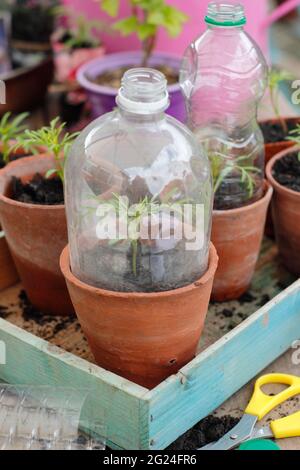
241	338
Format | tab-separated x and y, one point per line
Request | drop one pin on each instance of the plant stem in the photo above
148	47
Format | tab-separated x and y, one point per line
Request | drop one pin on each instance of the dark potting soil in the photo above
208	430
234	195
12	158
112	78
286	171
39	190
274	132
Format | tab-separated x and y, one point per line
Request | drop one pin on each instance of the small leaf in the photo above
111	7
51	172
146	31
127	26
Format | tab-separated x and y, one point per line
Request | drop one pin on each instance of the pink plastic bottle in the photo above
223	78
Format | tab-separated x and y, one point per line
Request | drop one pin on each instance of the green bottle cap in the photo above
225	14
259	444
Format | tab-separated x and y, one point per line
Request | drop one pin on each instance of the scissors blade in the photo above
240	433
262	433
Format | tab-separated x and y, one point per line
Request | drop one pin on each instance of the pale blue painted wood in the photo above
206	382
111	399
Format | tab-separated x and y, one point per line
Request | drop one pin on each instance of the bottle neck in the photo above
141	118
225	30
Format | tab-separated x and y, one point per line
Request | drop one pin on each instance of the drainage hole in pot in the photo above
172	362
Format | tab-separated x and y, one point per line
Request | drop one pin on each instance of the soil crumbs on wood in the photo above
40	190
61	331
286	171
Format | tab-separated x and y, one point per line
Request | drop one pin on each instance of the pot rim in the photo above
277	186
13	202
274	119
232	212
106	90
207	276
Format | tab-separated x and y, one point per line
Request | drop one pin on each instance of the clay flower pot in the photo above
272	148
36	235
286	217
237	235
144	337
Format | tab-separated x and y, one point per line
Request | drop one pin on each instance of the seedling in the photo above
222	167
10	130
276	77
54	140
148	206
147	16
294	136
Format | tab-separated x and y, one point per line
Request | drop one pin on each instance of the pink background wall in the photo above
256	11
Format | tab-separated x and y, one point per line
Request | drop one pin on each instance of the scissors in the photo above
260	405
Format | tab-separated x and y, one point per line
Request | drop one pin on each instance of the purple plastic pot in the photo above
103	98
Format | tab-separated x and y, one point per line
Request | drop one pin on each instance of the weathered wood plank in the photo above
31	360
222	369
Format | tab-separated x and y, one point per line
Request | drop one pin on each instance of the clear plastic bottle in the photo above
138	170
223	79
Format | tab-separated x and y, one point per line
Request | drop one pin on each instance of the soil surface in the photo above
12	158
286	171
112	78
208	430
40	190
232	195
274	132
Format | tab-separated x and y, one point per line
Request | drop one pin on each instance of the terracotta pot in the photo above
286	217
144	337
36	235
26	87
272	148
237	236
8	273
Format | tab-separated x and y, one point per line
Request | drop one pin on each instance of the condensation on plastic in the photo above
223	78
46	418
137	153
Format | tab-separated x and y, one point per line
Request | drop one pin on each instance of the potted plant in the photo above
283	173
10	130
102	78
32	23
241	201
139	265
31	72
33	216
276	130
75	43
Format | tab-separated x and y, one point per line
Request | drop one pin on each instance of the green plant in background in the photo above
32	20
222	167
275	78
54	140
147	16
80	31
10	130
294	136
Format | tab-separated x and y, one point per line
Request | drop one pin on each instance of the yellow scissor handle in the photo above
286	427
261	404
